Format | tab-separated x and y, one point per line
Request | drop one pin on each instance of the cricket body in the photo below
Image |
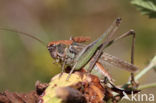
77	55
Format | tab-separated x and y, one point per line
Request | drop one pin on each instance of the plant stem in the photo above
151	65
146	86
144	71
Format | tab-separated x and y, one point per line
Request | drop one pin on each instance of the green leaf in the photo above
147	7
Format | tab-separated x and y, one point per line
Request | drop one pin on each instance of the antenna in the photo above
23	33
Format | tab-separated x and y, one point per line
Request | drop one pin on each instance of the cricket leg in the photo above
64	62
86	54
106	44
132	33
62	69
103	71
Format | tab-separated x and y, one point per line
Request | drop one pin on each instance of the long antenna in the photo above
23	33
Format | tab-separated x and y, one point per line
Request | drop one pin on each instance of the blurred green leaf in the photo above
147	7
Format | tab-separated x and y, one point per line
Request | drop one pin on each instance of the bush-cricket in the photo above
77	55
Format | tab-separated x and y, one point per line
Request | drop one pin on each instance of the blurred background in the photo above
23	60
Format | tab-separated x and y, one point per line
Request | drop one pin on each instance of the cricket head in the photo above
57	49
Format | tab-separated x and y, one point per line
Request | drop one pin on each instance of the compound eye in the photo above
52	50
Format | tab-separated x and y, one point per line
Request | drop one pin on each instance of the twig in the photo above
151	65
145	70
146	86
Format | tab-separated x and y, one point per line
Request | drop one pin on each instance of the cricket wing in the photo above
105	57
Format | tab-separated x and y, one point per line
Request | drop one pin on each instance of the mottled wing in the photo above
112	60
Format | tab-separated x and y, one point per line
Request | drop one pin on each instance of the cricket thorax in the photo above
63	53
